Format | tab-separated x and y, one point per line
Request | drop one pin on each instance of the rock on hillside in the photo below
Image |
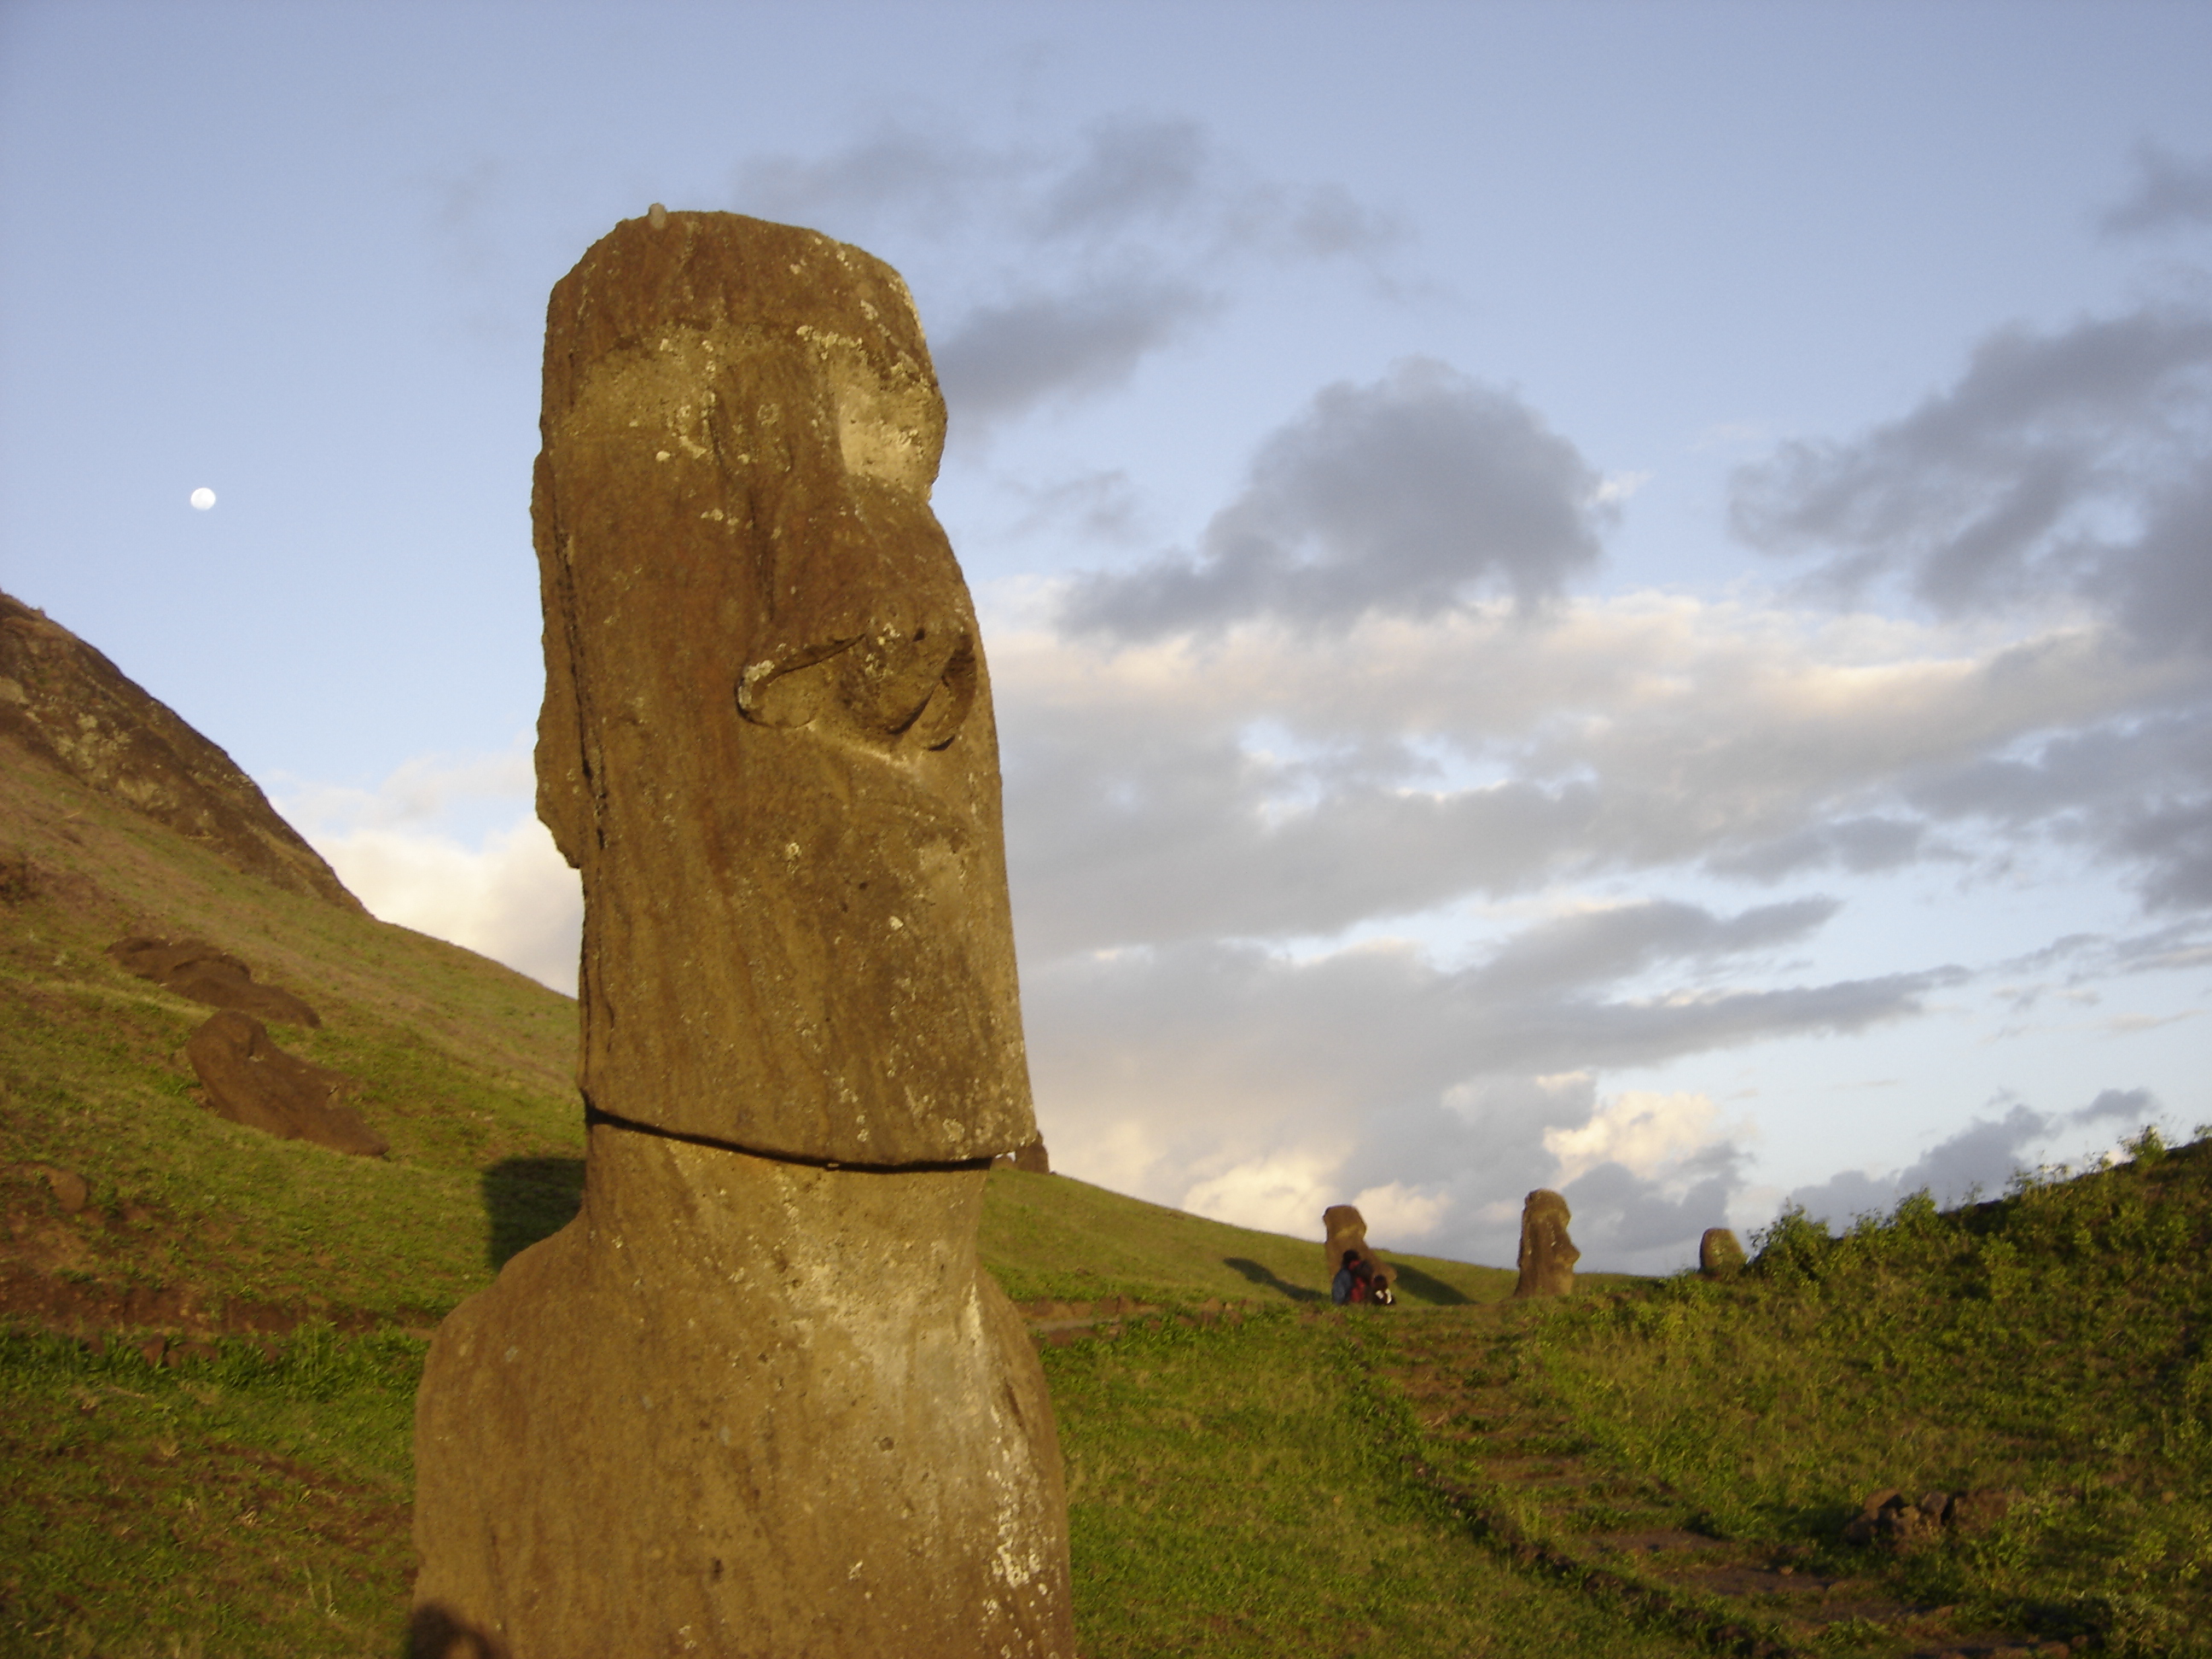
64	704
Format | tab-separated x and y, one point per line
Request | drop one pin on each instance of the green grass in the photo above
1051	1237
1253	1481
463	1066
2053	1344
1237	1489
243	1504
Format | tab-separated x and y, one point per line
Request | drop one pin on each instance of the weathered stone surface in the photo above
767	738
193	967
1346	1229
250	1081
747	1405
1548	1255
1031	1159
1719	1255
65	704
760	1397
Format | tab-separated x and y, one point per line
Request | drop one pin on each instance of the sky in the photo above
1610	597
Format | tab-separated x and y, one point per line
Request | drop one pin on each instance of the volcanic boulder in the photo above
250	1081
1548	1255
759	1397
192	967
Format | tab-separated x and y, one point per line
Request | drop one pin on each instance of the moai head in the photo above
1719	1255
767	739
1547	1255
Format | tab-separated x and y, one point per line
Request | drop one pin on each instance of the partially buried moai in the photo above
760	1397
1343	1228
1547	1255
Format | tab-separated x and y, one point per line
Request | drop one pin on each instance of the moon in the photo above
204	498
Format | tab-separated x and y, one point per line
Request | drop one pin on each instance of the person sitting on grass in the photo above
1350	1284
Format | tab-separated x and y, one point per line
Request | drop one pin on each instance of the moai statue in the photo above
760	1398
1547	1255
1719	1255
1346	1229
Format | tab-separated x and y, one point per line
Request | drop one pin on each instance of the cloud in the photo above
2073	463
1643	1132
1862	846
1982	1156
1268	782
446	845
2137	792
511	897
1401	497
1002	359
1112	246
2170	192
1261	1085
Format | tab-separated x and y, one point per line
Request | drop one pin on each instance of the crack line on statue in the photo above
594	1115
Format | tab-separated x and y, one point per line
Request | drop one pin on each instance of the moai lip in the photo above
768	740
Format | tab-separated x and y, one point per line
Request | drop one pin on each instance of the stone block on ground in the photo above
250	1081
195	969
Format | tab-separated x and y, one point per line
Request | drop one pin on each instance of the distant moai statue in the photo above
1548	1255
1032	1159
1719	1255
760	1397
1346	1229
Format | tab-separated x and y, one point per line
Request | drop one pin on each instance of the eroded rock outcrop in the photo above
250	1081
195	969
759	1397
1548	1255
64	704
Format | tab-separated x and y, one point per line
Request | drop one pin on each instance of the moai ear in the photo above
562	801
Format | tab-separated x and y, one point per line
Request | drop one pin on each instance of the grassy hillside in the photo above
463	1065
216	1460
1051	1238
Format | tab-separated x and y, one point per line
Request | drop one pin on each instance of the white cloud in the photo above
446	845
511	897
1618	487
1281	1193
1648	1134
1400	1212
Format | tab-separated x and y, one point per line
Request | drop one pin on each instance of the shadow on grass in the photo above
529	1199
1267	1277
1412	1281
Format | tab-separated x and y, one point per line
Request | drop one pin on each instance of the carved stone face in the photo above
767	741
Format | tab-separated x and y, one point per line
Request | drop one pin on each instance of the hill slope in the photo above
209	1338
117	819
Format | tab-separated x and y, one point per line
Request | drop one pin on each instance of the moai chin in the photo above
1547	1255
760	1398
